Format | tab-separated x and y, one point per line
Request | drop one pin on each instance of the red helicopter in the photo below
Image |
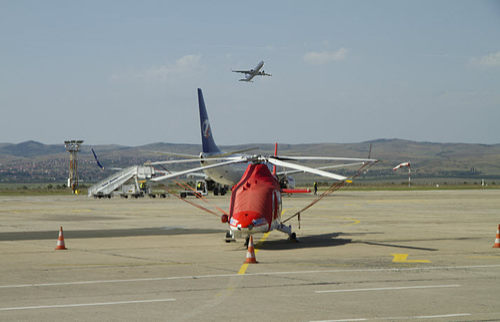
255	205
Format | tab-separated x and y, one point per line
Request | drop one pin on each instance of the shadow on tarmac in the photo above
323	240
331	239
387	244
160	231
397	246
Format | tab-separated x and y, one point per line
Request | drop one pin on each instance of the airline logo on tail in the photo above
206	129
207	139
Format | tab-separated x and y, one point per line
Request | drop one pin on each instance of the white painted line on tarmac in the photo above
194	277
344	320
442	316
400	318
387	288
82	305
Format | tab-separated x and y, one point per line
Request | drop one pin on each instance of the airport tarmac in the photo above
361	256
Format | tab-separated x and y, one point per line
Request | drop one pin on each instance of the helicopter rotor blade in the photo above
193	160
322	173
344	165
180	173
312	158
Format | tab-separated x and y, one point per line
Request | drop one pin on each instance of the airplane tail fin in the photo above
207	140
97	160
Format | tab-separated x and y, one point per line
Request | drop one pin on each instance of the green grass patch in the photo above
34	189
417	187
43	189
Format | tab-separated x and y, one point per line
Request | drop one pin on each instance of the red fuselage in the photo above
255	201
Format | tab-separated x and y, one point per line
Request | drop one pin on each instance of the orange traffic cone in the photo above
497	239
251	252
60	240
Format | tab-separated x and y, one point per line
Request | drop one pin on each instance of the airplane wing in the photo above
248	78
263	73
198	175
174	154
243	71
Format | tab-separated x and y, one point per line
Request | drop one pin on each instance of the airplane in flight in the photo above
250	74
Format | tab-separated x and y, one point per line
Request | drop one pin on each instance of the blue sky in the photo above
126	72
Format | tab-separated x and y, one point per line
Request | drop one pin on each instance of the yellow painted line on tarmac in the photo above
244	267
403	258
354	221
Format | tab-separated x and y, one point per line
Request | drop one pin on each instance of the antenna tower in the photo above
73	146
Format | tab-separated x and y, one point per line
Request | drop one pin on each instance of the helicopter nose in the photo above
246	219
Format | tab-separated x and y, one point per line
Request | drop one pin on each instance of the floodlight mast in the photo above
73	146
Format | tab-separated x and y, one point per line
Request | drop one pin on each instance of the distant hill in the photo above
30	149
33	161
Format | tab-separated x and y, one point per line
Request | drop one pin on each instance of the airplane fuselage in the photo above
227	175
254	72
258	67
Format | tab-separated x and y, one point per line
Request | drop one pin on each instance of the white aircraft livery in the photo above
250	74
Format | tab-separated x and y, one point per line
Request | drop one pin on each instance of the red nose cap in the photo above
247	218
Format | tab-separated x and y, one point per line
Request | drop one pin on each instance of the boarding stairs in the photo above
117	179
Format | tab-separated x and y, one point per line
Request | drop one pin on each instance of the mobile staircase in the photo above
105	188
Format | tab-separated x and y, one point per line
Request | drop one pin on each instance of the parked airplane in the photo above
255	205
229	175
249	74
220	178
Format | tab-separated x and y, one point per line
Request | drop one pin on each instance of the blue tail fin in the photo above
95	156
207	139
